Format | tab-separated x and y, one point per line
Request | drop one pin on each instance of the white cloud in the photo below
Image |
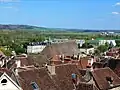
116	13
10	7
8	1
117	4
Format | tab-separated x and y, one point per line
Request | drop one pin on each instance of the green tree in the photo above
19	50
111	45
107	44
102	48
87	45
97	52
117	43
5	51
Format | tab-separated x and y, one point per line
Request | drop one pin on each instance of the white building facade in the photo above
35	48
80	42
102	42
87	50
6	83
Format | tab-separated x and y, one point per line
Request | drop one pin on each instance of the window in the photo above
34	86
4	82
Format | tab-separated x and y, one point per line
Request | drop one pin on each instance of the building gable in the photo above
6	83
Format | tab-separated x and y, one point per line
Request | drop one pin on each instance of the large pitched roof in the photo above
39	76
46	81
63	74
85	86
25	61
117	67
100	75
50	52
38	60
67	48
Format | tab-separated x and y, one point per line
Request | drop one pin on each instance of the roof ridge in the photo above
65	64
102	69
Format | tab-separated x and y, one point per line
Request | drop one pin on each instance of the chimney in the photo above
87	75
62	58
92	60
78	56
15	70
46	65
75	56
1	63
52	70
18	63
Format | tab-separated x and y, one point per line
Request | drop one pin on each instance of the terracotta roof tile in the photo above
63	76
39	76
100	75
84	86
67	48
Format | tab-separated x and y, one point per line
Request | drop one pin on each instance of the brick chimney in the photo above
78	56
52	69
16	72
1	63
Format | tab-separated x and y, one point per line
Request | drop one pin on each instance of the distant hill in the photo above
29	27
19	27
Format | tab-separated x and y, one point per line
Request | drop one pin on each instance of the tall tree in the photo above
102	48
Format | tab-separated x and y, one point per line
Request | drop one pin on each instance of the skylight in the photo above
34	86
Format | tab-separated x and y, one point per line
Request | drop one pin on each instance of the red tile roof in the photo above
63	76
39	76
100	75
25	61
67	48
117	68
38	60
85	86
2	70
62	79
97	65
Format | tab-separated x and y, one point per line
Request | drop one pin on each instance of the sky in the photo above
78	14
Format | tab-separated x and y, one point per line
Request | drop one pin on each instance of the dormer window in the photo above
4	82
110	80
35	86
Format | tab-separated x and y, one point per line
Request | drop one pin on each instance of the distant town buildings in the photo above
80	42
101	41
60	66
87	50
59	40
108	33
37	47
